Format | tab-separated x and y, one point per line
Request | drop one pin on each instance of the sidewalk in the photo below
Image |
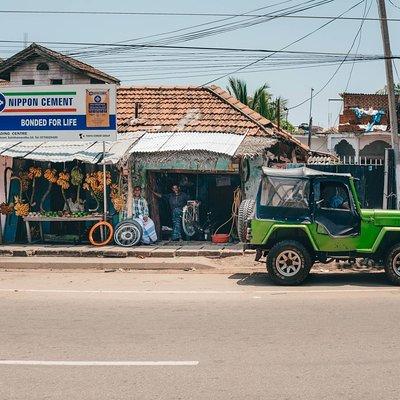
201	257
160	250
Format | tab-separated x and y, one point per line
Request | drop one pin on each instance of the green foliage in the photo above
384	89
261	101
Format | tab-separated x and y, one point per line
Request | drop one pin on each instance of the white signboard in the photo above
58	113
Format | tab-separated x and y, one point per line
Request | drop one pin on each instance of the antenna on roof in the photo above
25	40
137	107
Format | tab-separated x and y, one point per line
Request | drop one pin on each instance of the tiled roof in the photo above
349	122
66	61
191	108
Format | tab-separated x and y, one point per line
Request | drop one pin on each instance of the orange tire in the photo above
98	225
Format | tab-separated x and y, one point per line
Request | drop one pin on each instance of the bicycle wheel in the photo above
95	237
189	221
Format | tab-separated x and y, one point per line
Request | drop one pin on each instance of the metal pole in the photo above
278	112
104	182
390	90
310	120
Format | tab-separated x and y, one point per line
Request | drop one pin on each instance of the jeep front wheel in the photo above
392	265
288	263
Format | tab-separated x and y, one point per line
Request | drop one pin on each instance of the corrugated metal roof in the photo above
254	145
158	142
89	152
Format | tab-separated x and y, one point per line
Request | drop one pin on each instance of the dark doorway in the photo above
214	191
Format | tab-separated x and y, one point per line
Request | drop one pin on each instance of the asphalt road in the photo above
197	336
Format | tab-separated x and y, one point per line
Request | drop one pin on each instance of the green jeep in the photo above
302	216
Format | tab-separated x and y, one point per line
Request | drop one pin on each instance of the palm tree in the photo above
261	101
238	88
384	89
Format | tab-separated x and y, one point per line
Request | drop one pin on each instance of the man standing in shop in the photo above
176	200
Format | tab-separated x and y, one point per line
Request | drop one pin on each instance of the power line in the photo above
337	69
366	12
283	48
244	14
231	26
394	5
188	14
176	47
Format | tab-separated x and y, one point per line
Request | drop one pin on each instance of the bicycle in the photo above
191	221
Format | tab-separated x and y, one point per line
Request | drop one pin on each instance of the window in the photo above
56	81
42	67
285	192
94	81
28	81
332	195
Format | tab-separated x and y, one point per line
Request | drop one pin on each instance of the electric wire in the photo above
228	26
283	48
335	72
366	12
186	14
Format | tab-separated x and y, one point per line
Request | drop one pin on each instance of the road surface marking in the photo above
101	363
349	290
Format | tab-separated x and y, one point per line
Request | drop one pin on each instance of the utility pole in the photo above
278	112
310	120
390	91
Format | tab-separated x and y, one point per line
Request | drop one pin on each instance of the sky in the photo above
292	84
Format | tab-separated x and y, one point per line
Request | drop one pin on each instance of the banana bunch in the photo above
63	180
6	208
34	172
51	175
117	198
94	182
21	209
118	203
76	176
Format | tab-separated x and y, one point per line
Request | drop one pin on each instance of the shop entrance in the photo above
214	191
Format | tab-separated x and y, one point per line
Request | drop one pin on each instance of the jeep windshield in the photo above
281	197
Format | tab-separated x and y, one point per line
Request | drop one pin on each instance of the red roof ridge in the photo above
254	115
234	102
158	87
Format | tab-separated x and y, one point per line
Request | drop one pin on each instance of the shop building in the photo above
201	138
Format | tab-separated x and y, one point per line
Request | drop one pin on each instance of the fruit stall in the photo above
45	196
56	197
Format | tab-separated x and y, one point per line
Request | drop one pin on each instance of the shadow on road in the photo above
329	279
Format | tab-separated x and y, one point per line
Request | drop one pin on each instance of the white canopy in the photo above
89	152
159	142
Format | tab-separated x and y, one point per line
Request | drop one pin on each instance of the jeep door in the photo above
337	222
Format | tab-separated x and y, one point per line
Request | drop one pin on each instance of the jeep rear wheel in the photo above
288	263
392	265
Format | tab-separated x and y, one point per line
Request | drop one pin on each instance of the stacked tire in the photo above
246	212
128	233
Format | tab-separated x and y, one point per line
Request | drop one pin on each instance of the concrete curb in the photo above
118	252
112	264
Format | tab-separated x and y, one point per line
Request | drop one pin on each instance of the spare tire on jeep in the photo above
246	211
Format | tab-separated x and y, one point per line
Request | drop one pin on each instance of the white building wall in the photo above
327	142
368	138
318	143
28	70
